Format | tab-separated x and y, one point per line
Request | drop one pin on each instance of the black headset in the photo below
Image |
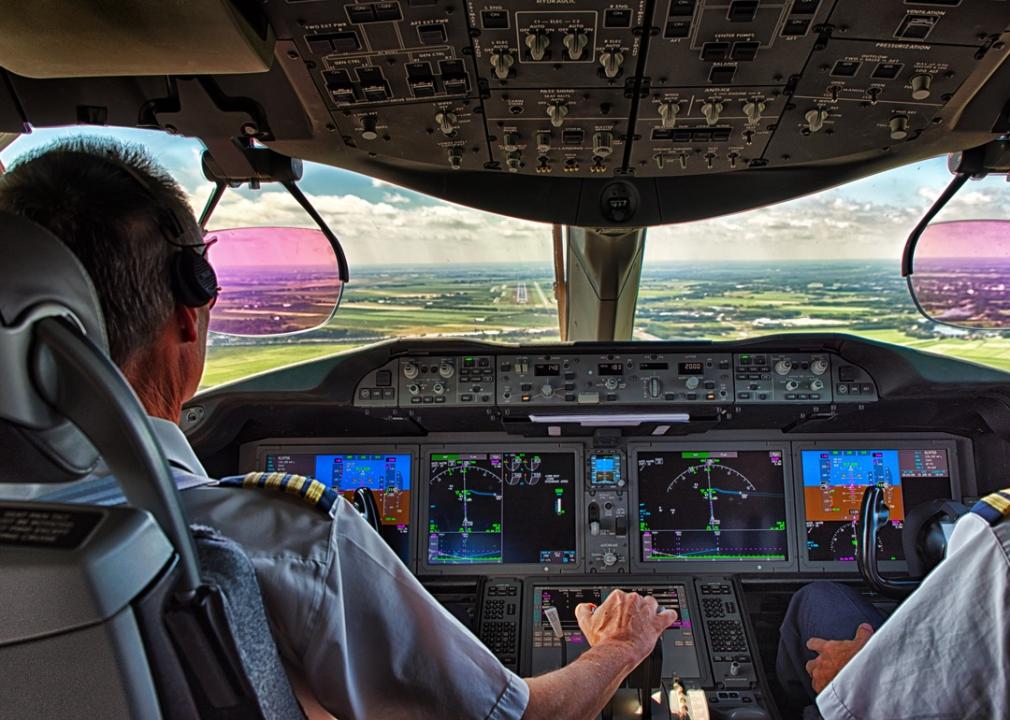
193	280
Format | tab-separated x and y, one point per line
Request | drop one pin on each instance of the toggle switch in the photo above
668	112
611	60
921	87
446	122
538	41
815	119
557	112
712	110
753	110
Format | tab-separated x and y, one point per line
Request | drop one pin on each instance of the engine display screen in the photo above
712	505
833	485
387	475
501	508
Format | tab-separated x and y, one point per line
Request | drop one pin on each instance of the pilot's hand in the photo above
625	620
833	655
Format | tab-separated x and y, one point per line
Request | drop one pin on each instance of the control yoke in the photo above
873	514
364	502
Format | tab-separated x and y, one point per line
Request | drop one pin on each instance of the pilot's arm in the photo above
944	652
369	641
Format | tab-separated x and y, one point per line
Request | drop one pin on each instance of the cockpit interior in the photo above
516	478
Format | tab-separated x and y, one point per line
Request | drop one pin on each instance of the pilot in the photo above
359	634
942	654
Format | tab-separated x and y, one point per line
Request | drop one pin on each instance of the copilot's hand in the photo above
625	620
833	655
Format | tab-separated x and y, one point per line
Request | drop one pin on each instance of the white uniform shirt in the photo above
348	616
944	653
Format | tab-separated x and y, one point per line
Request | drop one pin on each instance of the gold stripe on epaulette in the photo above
295	484
998	502
251	480
274	481
315	491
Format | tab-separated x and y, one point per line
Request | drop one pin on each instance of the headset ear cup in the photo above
194	281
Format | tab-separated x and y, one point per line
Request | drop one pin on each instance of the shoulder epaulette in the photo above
993	508
311	491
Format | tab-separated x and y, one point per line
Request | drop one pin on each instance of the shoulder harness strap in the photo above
993	508
311	491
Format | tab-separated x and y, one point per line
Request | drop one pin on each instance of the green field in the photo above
514	304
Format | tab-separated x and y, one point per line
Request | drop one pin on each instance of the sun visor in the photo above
55	38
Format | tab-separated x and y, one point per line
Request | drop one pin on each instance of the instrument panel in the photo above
515	381
638	507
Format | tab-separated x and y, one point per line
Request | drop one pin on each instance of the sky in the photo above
381	224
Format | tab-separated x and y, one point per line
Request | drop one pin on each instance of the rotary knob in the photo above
692	383
410	370
547	390
575	42
921	87
815	119
438	388
609	559
538	41
611	60
819	366
369	127
712	110
446	122
753	110
668	112
654	387
446	369
502	62
898	125
557	111
413	388
611	383
603	144
783	366
792	385
816	385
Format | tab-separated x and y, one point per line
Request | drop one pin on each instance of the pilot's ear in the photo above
187	321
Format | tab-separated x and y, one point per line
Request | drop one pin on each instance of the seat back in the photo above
106	610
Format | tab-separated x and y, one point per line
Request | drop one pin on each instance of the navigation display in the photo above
712	505
501	508
388	476
833	486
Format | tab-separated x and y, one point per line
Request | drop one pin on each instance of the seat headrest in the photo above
39	277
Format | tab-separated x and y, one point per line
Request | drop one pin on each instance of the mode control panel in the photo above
606	512
450	380
783	377
638	379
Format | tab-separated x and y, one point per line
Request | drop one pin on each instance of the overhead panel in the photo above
397	79
667	88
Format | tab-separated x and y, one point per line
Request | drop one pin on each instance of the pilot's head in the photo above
125	218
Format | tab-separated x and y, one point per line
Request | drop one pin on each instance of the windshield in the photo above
421	267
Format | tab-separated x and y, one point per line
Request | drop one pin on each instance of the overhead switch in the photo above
514	161
538	41
502	62
712	110
557	111
447	123
575	43
456	157
815	119
921	87
611	60
603	144
668	112
510	142
898	126
543	141
368	127
753	110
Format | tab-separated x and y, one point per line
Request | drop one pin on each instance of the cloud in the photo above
396	199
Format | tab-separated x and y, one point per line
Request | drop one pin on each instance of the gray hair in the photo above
107	201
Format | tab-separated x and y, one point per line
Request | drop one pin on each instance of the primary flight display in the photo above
712	505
